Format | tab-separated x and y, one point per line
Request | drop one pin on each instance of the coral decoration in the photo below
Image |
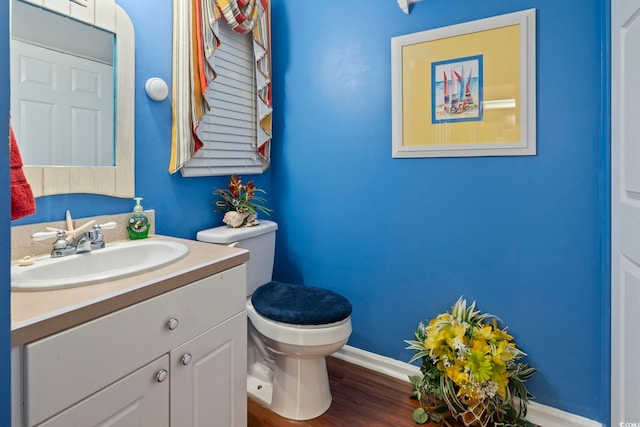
240	202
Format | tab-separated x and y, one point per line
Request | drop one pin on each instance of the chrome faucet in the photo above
84	242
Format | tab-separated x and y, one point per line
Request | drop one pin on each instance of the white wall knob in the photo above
156	89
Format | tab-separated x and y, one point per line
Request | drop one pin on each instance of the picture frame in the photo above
466	90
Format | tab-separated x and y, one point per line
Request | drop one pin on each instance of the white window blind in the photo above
228	130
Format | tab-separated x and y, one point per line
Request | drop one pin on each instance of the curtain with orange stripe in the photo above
194	46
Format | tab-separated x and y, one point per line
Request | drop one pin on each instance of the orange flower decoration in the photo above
241	198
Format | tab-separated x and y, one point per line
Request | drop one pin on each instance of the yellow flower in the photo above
480	365
485	333
457	374
431	341
480	345
454	333
500	334
502	351
501	381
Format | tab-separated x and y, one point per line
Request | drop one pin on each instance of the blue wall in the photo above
5	236
403	238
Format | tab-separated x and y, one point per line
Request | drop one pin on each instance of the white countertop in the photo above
37	314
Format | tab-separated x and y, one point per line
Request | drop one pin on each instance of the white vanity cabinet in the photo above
177	359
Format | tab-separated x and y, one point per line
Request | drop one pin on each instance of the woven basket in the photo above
477	414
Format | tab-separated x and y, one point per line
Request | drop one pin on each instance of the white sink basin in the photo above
115	261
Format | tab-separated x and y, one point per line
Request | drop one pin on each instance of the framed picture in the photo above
466	90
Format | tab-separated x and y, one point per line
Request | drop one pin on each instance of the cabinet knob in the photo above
172	323
162	375
186	359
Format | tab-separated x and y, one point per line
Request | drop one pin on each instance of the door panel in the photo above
625	211
210	389
139	399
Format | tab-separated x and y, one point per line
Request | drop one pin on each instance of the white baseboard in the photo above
375	362
548	416
542	415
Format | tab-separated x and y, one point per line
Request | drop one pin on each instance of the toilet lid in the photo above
300	304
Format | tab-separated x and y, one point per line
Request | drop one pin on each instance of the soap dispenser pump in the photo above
138	225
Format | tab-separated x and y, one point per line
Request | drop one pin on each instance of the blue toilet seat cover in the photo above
300	304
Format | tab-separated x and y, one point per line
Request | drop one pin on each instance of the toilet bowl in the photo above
291	329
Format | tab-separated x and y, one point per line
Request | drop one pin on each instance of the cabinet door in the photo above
139	399
209	377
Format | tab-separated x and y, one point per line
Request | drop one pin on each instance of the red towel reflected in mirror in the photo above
22	201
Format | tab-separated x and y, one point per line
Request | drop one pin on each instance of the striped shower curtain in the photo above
194	46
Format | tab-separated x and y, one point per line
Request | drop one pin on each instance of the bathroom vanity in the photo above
163	348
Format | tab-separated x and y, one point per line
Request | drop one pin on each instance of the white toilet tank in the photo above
260	240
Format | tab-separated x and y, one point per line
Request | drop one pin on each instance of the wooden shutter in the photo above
228	130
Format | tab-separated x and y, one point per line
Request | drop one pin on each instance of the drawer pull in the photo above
172	323
162	375
186	359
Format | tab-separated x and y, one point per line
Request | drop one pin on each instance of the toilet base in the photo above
300	389
259	391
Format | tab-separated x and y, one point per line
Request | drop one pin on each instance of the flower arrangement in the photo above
471	369
240	202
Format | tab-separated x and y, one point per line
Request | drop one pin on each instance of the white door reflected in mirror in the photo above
106	167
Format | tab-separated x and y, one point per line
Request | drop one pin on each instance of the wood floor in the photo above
361	398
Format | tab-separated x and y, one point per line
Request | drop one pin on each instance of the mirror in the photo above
79	93
63	81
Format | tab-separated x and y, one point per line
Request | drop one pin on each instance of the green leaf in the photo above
420	416
415	380
435	417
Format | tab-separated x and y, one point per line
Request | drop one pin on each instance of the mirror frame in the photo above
118	180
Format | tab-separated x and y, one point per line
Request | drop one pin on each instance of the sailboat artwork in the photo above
456	90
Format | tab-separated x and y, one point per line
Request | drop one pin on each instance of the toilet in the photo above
291	328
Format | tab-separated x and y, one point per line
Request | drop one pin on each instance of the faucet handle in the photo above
108	225
60	242
44	235
96	233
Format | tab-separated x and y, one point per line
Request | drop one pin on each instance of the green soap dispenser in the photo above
138	225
